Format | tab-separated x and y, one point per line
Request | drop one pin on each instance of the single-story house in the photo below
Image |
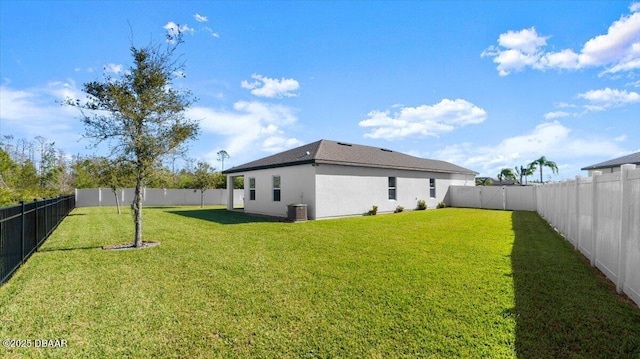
613	165
342	179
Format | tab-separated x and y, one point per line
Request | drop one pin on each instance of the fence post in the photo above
22	233
624	225
37	235
577	206
594	215
566	223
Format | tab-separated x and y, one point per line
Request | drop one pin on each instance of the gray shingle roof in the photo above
339	153
633	158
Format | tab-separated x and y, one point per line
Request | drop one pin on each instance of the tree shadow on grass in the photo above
64	249
223	216
563	308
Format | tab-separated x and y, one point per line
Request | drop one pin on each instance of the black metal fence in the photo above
23	229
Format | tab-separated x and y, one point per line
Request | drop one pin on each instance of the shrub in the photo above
399	209
442	204
422	205
373	211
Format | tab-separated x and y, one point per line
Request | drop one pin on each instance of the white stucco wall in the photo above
296	186
347	190
334	190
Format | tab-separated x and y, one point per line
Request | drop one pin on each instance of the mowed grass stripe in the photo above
415	284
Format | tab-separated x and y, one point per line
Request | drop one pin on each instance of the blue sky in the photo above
485	85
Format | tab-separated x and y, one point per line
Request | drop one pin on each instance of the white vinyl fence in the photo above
516	198
97	197
599	215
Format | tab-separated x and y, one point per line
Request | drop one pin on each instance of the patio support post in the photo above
229	193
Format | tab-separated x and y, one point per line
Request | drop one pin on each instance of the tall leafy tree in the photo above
28	180
204	179
85	172
8	170
238	183
507	173
543	162
140	115
116	174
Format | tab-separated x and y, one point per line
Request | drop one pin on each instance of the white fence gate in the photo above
599	215
516	198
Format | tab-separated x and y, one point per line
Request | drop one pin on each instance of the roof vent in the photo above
386	150
344	144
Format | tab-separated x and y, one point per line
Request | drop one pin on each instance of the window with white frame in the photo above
276	188
252	189
392	188
432	187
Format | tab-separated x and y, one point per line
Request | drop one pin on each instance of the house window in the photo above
276	188
252	189
432	187
392	188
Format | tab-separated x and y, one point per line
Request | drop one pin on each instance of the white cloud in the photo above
424	120
565	105
112	68
565	59
278	144
551	139
200	18
174	29
518	50
618	50
271	88
556	114
210	31
607	97
526	41
617	46
38	112
247	124
596	101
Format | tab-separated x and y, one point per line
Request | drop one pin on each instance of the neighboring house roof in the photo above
633	158
347	154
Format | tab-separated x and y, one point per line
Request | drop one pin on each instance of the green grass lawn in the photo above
439	283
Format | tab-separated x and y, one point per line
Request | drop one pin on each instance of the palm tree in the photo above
507	173
525	172
222	154
543	162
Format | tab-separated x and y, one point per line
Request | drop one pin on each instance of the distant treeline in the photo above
37	169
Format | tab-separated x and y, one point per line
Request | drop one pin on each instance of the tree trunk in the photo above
137	212
115	194
202	198
540	174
